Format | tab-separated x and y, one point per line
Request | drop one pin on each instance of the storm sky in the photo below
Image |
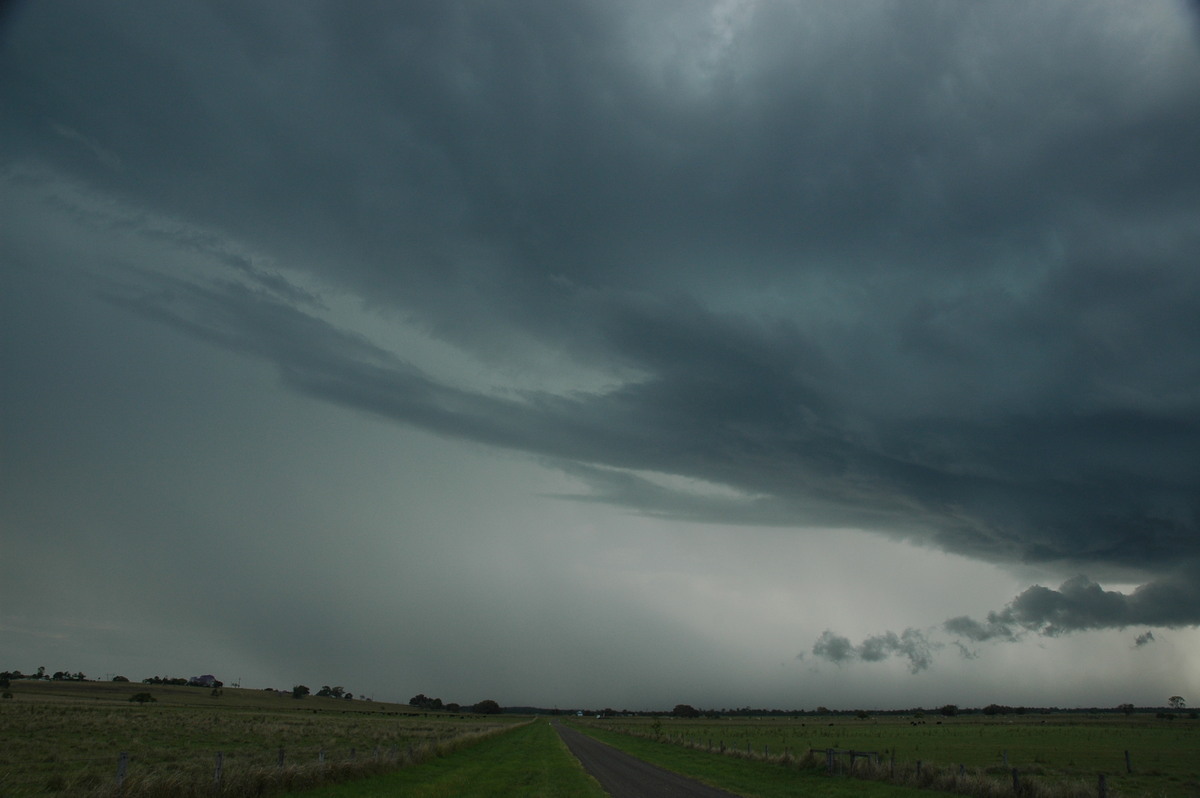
605	352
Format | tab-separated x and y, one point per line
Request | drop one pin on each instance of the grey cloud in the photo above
994	627
1144	639
910	644
833	647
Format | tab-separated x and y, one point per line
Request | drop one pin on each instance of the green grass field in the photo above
529	762
64	738
1059	749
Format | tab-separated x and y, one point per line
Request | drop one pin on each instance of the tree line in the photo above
422	701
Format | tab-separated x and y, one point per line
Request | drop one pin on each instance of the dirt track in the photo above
624	776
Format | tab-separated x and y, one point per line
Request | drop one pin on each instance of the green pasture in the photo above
64	738
1055	748
529	762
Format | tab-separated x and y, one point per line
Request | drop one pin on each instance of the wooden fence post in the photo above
829	759
122	765
1016	781
280	761
1102	792
1128	763
217	770
918	770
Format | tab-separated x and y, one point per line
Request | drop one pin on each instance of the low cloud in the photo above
834	648
1080	604
910	644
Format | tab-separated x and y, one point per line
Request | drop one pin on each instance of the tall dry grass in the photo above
242	782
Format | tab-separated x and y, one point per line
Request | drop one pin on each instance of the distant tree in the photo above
1177	702
41	672
950	710
299	691
4	682
1126	708
423	701
453	707
861	714
119	679
486	707
142	698
685	711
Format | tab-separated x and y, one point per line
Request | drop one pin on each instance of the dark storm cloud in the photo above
921	268
1144	639
1080	604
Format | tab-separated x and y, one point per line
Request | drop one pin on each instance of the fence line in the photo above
924	776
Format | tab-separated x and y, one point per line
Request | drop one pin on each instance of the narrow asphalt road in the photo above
625	776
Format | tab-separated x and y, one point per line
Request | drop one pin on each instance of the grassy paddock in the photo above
64	738
1055	755
530	762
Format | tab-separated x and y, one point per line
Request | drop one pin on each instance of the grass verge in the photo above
528	762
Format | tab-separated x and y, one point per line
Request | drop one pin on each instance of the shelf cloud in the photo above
914	270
